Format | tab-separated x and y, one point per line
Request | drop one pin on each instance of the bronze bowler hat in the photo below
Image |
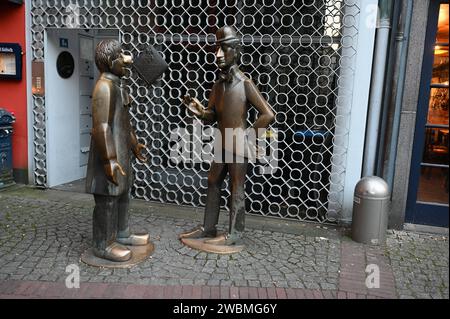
226	34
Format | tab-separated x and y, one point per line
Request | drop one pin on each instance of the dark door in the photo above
428	188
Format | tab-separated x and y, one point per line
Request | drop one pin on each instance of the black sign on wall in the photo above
65	64
10	61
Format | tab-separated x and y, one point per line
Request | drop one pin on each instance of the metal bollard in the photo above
370	211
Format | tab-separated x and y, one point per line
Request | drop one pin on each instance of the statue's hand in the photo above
194	106
110	170
137	149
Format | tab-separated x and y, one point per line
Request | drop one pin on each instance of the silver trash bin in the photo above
370	211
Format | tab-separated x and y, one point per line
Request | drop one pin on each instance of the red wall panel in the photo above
13	94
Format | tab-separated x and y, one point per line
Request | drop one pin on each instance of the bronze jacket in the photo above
228	104
111	137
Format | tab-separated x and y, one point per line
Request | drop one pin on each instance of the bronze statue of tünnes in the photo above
109	173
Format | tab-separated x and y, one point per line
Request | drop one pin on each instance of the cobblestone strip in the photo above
35	289
29	289
355	259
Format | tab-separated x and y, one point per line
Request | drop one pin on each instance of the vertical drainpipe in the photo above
390	86
377	87
403	38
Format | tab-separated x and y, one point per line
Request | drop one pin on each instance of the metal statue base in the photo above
138	254
200	244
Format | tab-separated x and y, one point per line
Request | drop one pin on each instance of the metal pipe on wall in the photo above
403	50
377	88
390	85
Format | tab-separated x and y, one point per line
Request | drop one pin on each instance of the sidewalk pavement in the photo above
44	231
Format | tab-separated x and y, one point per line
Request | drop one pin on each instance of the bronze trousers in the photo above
110	219
216	176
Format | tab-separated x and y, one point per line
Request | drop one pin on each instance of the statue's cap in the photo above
226	34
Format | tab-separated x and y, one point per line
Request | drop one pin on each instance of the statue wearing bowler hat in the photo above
230	99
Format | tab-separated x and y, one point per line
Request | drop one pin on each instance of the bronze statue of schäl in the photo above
109	173
229	101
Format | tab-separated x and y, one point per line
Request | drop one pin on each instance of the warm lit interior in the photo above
433	184
442	33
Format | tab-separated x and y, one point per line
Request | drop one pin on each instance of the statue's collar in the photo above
229	74
111	77
117	81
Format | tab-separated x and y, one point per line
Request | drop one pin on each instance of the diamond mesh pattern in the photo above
299	54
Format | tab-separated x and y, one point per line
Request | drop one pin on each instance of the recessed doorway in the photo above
70	75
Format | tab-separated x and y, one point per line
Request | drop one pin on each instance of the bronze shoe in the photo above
114	252
225	239
219	240
197	232
217	245
134	240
